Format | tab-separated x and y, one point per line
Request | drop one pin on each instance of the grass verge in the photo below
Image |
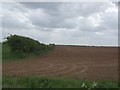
45	82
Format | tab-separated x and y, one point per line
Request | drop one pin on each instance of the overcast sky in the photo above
63	23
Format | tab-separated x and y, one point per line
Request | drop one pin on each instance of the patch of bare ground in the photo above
93	63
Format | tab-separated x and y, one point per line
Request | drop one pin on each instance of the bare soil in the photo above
91	63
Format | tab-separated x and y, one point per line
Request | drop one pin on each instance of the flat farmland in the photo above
76	62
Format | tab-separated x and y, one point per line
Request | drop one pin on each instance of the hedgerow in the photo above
26	45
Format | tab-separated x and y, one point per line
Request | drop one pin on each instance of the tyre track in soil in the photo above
69	61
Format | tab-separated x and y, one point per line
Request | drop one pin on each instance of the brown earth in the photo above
93	63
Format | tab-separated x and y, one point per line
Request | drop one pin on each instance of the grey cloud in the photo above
51	17
83	8
13	16
48	7
48	21
10	22
64	11
72	8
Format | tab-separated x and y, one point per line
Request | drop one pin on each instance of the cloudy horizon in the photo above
94	24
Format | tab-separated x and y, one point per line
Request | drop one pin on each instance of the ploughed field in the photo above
91	63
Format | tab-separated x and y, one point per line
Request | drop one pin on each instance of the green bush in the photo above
21	45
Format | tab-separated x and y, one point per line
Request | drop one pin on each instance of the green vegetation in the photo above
0	64
7	54
0	52
17	47
43	82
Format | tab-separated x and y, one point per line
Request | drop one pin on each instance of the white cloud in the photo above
63	23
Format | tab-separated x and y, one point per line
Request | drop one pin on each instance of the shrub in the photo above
23	44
